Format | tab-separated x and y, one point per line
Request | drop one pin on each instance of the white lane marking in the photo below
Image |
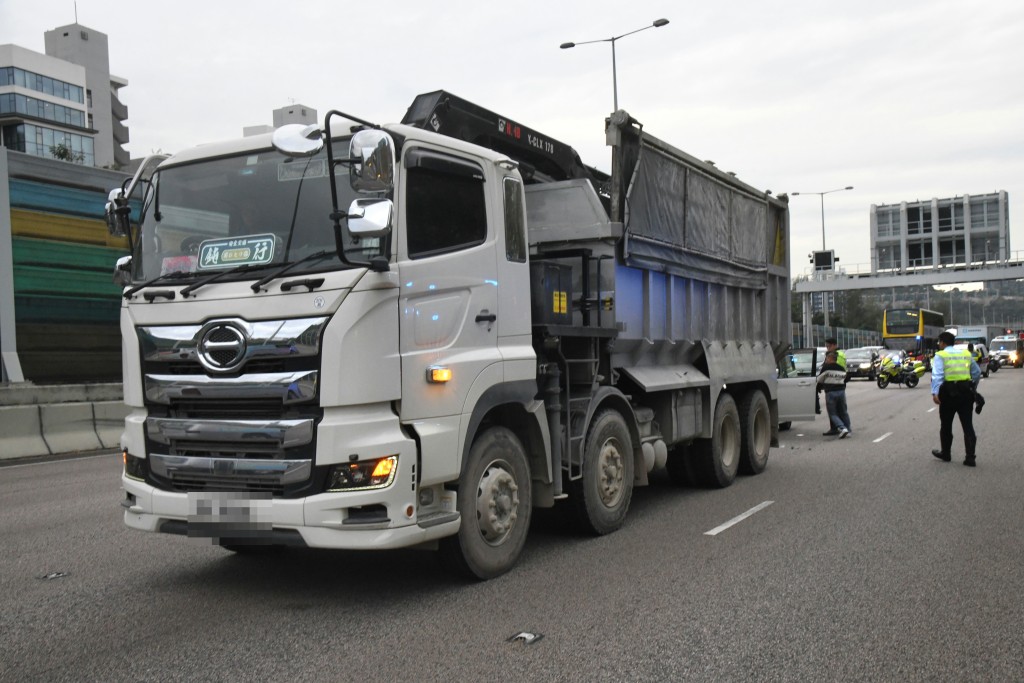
932	409
882	437
736	520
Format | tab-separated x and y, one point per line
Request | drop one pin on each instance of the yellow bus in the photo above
914	330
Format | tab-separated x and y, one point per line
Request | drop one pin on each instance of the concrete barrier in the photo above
69	427
109	420
55	420
21	433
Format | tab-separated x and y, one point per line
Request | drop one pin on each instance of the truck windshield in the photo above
257	208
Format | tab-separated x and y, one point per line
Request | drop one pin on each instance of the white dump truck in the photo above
381	336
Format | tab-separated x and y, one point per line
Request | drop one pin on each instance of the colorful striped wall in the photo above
66	304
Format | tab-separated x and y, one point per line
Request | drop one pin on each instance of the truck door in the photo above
448	306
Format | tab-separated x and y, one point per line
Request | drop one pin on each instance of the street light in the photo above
658	23
822	195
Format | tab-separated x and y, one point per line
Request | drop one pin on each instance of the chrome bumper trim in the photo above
281	472
290	387
283	433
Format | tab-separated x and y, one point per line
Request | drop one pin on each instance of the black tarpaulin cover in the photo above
683	220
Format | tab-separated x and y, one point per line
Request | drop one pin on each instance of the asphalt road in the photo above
872	561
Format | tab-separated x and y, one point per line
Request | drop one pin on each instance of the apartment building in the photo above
64	103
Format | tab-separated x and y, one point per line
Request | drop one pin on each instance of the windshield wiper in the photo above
245	267
288	266
174	275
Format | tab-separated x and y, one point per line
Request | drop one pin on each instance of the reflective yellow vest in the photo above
956	364
841	358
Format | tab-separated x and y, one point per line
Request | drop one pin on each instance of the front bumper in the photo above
327	520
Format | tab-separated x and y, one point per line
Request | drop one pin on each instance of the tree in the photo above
63	152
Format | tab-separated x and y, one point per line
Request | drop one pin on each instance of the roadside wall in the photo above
64	419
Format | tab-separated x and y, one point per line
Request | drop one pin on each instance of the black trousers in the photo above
956	400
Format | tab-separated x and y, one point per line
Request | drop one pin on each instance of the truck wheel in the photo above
495	505
717	459
883	381
601	496
755	432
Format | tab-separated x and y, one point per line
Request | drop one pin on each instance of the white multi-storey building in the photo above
65	101
961	231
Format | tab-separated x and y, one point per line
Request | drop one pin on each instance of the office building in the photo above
966	231
64	104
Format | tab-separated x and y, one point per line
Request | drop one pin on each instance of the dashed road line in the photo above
736	520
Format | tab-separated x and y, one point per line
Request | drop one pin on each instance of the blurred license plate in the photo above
228	514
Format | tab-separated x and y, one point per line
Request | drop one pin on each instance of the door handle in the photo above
485	317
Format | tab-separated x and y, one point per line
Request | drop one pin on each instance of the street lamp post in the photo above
824	304
658	23
822	196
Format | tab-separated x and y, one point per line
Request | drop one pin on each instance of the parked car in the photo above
860	364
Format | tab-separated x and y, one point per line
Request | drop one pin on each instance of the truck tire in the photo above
601	496
495	503
755	432
716	460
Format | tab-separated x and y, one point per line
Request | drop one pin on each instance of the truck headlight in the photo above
357	476
134	468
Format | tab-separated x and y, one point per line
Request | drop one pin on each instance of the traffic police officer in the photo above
832	345
954	372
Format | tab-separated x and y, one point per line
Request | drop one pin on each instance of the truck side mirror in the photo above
372	153
370	217
123	271
297	140
118	214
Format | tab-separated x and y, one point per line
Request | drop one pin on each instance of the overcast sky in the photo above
905	100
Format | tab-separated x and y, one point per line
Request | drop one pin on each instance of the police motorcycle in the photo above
896	370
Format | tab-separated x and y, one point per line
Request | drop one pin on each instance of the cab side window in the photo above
445	209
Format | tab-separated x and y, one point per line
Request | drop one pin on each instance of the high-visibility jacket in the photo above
841	359
956	364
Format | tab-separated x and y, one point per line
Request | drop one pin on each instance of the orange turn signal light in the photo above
439	374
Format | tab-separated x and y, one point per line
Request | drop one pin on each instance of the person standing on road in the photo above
979	400
832	380
954	373
831	345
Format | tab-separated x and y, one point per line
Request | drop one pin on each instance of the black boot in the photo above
944	457
969	461
979	403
